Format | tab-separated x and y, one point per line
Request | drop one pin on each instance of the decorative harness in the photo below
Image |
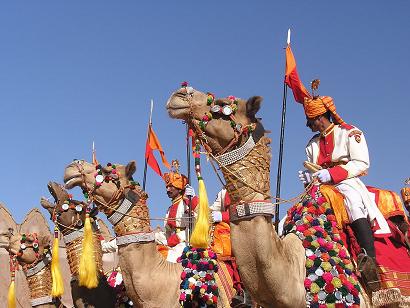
225	158
38	280
126	196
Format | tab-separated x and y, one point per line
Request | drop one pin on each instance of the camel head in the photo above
222	120
67	213
102	184
29	241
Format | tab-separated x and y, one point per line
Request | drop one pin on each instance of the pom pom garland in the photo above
198	277
329	270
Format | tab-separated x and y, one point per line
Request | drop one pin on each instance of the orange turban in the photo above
175	179
319	105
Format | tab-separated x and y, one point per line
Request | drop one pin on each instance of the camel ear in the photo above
6	220
34	222
252	106
47	205
130	169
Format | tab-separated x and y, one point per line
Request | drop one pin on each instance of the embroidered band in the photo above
135	238
237	154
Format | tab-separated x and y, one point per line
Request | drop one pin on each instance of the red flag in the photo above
154	144
292	78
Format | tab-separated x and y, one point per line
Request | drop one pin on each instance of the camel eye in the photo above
78	161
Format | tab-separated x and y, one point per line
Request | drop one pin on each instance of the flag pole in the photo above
188	158
148	135
281	142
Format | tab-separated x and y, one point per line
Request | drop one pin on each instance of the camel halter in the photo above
226	157
226	111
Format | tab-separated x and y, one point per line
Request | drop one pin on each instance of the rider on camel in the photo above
341	152
181	194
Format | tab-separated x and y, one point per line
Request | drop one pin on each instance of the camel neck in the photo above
74	248
136	220
40	287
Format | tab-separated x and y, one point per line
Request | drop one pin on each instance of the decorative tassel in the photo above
200	234
88	267
58	285
11	295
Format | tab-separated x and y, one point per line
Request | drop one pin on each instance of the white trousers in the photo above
353	201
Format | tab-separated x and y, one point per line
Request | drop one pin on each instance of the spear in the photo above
148	135
188	158
281	142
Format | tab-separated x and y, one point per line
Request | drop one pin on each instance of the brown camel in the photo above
272	269
30	244
150	280
70	223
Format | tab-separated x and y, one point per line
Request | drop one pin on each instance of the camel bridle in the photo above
199	126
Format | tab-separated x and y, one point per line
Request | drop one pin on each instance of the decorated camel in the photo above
150	280
232	135
69	216
29	247
263	258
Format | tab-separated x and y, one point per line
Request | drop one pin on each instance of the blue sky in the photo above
74	72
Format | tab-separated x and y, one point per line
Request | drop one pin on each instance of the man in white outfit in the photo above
341	150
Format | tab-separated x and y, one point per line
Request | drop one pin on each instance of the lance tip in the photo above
288	40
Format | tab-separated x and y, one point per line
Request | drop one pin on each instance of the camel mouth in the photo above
57	191
178	113
178	107
71	181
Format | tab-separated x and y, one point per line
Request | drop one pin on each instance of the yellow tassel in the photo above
58	285
200	234
88	267
11	296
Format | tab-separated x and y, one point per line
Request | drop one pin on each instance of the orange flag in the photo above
154	144
292	78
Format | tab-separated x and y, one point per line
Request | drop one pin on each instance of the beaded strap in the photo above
253	208
237	154
78	233
39	266
135	238
120	211
41	300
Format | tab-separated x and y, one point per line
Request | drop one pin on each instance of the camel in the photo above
264	260
37	267
149	279
70	223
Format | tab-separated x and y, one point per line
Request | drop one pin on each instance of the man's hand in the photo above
216	216
189	191
323	176
305	177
